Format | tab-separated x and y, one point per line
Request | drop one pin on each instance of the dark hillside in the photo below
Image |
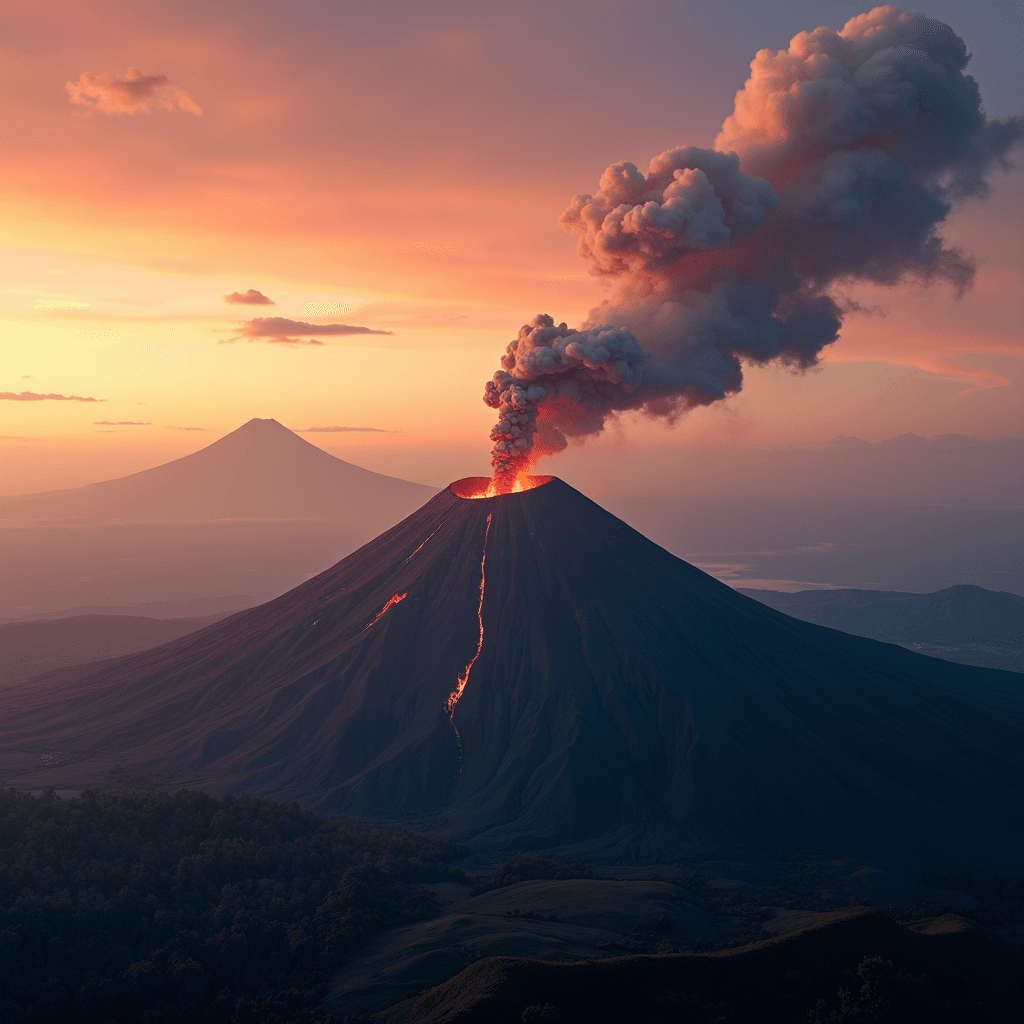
841	967
189	909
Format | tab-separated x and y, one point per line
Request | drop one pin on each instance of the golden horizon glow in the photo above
278	154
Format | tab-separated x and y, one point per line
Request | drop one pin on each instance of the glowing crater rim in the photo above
473	487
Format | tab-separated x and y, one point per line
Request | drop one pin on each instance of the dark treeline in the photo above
526	867
158	908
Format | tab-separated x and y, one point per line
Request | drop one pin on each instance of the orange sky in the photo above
403	170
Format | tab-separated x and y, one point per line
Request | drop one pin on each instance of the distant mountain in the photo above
527	672
254	513
262	470
29	648
965	624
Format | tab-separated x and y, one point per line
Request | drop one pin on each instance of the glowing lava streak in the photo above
394	599
420	548
453	697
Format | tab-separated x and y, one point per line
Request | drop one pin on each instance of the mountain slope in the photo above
256	512
260	471
619	702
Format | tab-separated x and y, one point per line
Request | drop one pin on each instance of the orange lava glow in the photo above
394	599
453	697
486	487
420	548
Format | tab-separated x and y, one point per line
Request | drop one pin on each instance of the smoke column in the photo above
840	161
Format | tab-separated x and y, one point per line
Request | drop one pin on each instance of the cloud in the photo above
841	160
168	427
119	423
280	330
347	430
134	94
249	298
32	396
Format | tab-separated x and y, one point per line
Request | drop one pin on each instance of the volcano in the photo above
187	531
528	672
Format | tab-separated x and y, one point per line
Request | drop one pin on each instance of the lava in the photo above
488	487
394	599
420	548
453	697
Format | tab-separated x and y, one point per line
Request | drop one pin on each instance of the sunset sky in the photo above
400	167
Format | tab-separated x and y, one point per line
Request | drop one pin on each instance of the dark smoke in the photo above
842	158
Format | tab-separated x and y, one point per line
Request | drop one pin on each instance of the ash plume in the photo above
841	160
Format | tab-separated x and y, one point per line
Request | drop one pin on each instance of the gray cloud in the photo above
135	93
32	396
249	298
281	330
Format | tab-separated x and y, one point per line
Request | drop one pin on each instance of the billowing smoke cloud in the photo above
281	330
251	297
136	93
549	366
842	158
35	396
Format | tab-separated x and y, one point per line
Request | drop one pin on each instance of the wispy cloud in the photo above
136	93
119	423
347	430
252	297
32	396
281	330
169	427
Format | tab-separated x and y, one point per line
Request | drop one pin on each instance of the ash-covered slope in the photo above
619	702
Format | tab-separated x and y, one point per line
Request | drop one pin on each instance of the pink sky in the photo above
403	169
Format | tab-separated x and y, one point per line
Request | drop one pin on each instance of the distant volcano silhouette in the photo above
536	674
261	470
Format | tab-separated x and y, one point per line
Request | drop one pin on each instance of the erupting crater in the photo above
485	487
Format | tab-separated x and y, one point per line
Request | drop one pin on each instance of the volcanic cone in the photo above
527	671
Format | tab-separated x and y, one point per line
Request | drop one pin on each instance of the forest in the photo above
159	909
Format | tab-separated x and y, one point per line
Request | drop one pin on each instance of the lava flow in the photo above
453	697
489	487
394	599
421	545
